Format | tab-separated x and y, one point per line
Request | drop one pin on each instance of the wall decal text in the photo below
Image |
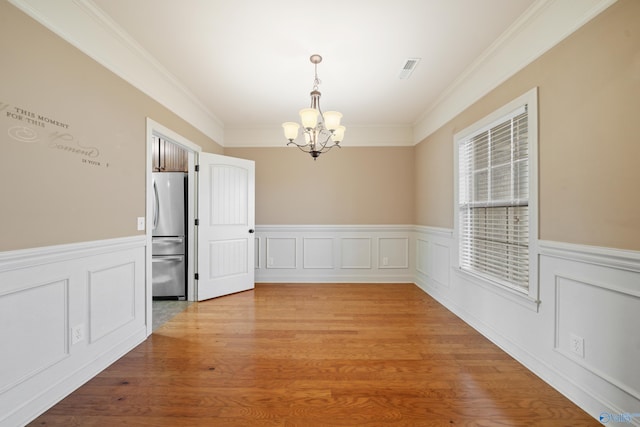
28	126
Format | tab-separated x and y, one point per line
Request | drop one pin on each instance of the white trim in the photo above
333	228
596	255
10	260
438	231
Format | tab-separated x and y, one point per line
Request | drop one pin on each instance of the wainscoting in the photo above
583	339
336	254
66	313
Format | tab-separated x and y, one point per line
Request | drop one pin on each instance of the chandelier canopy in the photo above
321	131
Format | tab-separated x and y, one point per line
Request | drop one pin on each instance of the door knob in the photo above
251	230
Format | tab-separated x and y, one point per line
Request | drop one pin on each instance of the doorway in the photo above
170	308
221	241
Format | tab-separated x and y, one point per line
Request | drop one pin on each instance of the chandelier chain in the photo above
316	80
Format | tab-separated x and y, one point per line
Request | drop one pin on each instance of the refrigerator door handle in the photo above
164	258
156	205
167	239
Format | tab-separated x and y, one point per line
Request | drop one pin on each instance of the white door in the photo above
226	222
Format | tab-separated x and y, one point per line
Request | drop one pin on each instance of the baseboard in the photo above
58	391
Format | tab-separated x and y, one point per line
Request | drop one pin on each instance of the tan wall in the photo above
589	150
352	185
50	191
434	180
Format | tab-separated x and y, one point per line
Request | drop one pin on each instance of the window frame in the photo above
527	297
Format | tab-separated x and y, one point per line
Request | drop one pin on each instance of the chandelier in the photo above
321	131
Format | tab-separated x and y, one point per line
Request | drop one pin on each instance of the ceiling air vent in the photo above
409	65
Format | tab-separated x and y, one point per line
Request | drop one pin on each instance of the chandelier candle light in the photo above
322	131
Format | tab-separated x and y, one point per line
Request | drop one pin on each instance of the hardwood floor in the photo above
316	355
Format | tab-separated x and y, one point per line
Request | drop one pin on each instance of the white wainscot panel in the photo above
433	259
34	333
111	299
317	252
393	252
422	257
597	327
355	252
441	263
227	258
281	252
256	249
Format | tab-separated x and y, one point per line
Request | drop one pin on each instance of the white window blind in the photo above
493	206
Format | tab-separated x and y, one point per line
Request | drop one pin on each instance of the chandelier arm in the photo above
325	149
329	134
301	147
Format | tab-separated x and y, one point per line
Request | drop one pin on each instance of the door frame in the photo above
156	129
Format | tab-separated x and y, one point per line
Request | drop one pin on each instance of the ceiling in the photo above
237	69
248	62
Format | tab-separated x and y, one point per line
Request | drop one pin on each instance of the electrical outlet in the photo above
270	261
576	345
77	334
140	223
385	260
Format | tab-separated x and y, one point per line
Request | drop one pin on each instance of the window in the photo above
496	201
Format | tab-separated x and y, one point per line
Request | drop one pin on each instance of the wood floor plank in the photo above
316	355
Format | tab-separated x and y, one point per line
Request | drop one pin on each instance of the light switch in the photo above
140	223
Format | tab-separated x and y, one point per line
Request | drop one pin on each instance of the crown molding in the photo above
545	24
81	23
85	26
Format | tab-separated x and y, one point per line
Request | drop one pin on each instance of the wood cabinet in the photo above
168	157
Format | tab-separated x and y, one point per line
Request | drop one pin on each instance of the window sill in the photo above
497	288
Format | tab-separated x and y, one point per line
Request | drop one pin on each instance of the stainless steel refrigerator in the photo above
168	241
